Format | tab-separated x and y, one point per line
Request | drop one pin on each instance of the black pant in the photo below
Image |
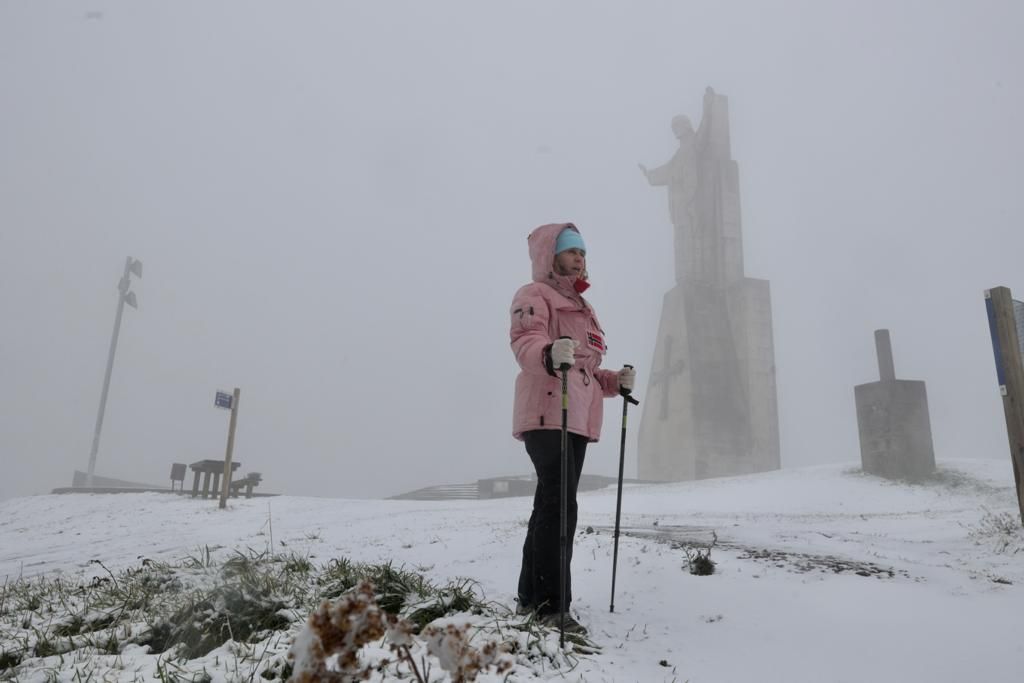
538	579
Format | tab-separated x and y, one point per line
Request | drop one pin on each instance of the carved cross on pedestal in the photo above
664	376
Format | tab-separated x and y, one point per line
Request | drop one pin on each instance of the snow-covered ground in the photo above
823	574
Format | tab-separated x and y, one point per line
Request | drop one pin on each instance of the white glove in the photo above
627	378
562	351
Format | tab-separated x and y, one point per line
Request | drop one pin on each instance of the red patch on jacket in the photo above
595	341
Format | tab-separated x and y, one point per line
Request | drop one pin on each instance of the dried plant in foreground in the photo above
463	661
327	649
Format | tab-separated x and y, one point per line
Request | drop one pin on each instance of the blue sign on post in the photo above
996	346
223	400
1018	315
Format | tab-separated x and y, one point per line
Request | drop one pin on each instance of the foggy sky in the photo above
331	201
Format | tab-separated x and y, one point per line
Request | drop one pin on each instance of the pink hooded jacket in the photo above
548	308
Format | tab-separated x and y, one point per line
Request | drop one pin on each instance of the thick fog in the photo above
331	201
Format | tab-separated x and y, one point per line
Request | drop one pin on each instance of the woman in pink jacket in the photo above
554	326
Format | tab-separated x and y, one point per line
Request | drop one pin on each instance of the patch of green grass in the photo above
190	608
248	598
45	646
71	627
338	576
394	586
456	597
9	659
401	591
170	672
298	565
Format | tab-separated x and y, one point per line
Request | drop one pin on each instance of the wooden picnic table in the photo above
208	468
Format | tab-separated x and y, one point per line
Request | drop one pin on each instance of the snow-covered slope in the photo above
823	574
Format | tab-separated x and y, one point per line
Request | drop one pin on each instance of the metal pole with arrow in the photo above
124	296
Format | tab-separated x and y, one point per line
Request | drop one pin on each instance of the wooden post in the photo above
1010	373
226	487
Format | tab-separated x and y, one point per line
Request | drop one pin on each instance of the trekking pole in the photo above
564	533
626	400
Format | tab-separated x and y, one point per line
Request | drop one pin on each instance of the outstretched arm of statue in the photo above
657	176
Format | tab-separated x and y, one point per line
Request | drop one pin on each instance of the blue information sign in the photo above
1018	323
1018	314
996	346
223	400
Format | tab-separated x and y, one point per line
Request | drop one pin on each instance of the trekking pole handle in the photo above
564	367
625	393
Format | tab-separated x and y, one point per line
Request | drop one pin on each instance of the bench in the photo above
248	482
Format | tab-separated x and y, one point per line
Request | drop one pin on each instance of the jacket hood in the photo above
542	254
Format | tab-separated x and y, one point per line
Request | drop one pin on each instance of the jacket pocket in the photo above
549	401
524	317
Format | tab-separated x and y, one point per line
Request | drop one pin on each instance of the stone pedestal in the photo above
711	406
892	416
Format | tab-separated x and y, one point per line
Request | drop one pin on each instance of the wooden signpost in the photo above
225	400
1009	354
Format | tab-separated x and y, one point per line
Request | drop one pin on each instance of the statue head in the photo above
682	127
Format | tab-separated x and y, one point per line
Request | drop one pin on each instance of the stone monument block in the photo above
892	416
